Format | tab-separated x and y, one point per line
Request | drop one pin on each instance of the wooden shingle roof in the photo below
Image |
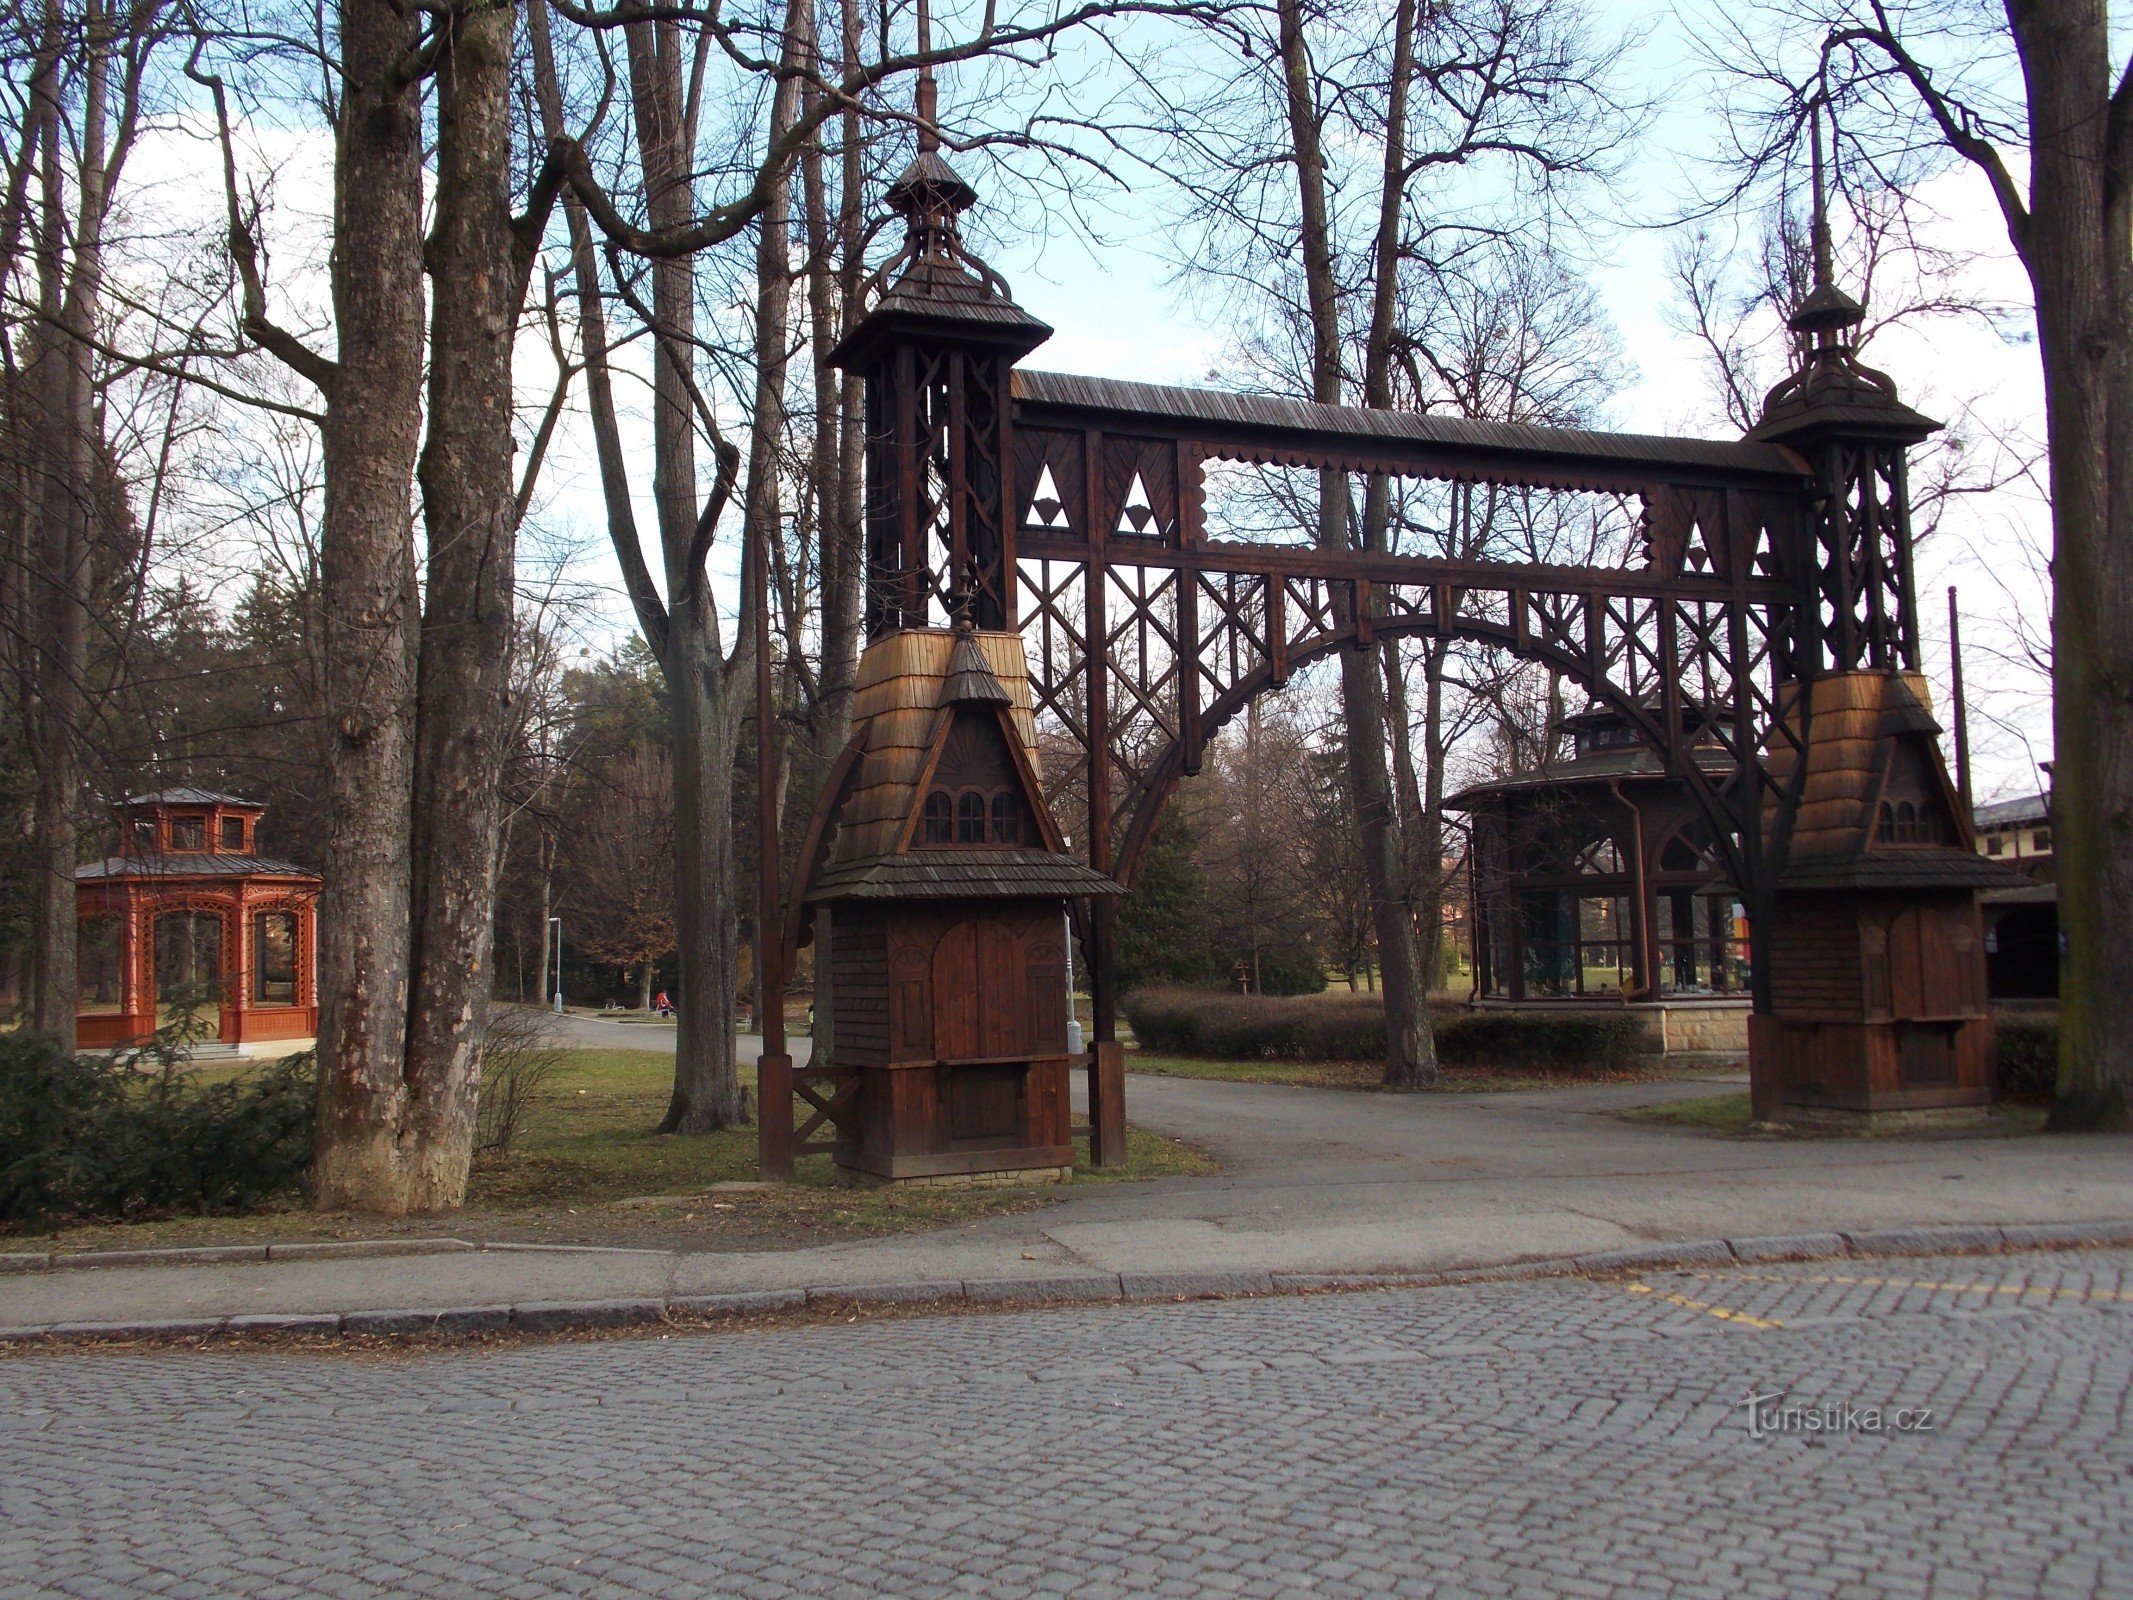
897	704
1857	723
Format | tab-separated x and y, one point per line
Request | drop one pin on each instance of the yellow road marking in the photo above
1923	1283
1723	1313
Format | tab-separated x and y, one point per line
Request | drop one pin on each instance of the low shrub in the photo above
2029	1055
1251	1027
1343	1027
140	1135
520	1051
1541	1041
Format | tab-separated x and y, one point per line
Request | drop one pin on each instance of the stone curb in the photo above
552	1317
213	1255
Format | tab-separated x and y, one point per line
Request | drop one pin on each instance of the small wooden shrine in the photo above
189	916
1877	968
941	921
1594	876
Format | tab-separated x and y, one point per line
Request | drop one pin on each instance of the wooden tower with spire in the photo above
941	912
1876	950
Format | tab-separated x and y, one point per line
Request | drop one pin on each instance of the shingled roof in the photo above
960	874
190	864
896	705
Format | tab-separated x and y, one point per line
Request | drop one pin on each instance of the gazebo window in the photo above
1576	944
970	819
188	833
101	955
233	833
1006	819
1703	941
188	960
274	958
940	818
1701	935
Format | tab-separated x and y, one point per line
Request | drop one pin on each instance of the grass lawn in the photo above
1728	1114
586	1168
1369	1074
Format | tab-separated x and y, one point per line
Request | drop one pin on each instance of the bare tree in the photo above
77	123
622	858
1328	181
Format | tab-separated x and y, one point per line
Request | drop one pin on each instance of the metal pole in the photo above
557	924
1962	709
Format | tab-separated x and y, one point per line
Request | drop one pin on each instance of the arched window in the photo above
970	819
940	818
1006	818
1887	831
1907	823
1689	850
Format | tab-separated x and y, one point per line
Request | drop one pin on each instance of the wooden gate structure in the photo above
1754	581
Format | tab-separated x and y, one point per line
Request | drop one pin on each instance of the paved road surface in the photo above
1558	1438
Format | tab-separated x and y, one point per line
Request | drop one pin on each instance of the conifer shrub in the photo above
140	1135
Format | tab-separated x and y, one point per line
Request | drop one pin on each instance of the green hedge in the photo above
1341	1027
142	1136
1250	1027
2029	1055
1541	1041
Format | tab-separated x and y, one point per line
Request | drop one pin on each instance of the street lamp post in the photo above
557	924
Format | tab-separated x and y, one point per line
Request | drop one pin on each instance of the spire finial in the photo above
1827	311
1825	255
927	97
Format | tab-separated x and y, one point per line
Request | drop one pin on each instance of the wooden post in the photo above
1107	1103
773	1073
773	1088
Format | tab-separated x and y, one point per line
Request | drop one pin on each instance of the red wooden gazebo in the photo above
188	915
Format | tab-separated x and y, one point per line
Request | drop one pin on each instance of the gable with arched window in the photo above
976	795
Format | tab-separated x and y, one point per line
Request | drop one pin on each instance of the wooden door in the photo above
980	992
955	993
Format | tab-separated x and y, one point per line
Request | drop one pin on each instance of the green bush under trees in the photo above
140	1135
1343	1027
2029	1055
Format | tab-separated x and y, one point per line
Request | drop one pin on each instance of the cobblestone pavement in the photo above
1558	1438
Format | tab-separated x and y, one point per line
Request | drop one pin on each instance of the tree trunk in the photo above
367	603
2074	245
1410	1055
57	588
1429	897
69	452
773	293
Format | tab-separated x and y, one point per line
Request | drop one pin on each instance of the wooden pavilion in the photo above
188	915
1594	877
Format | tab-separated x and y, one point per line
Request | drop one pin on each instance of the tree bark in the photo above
469	507
839	563
367	603
58	573
2074	243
